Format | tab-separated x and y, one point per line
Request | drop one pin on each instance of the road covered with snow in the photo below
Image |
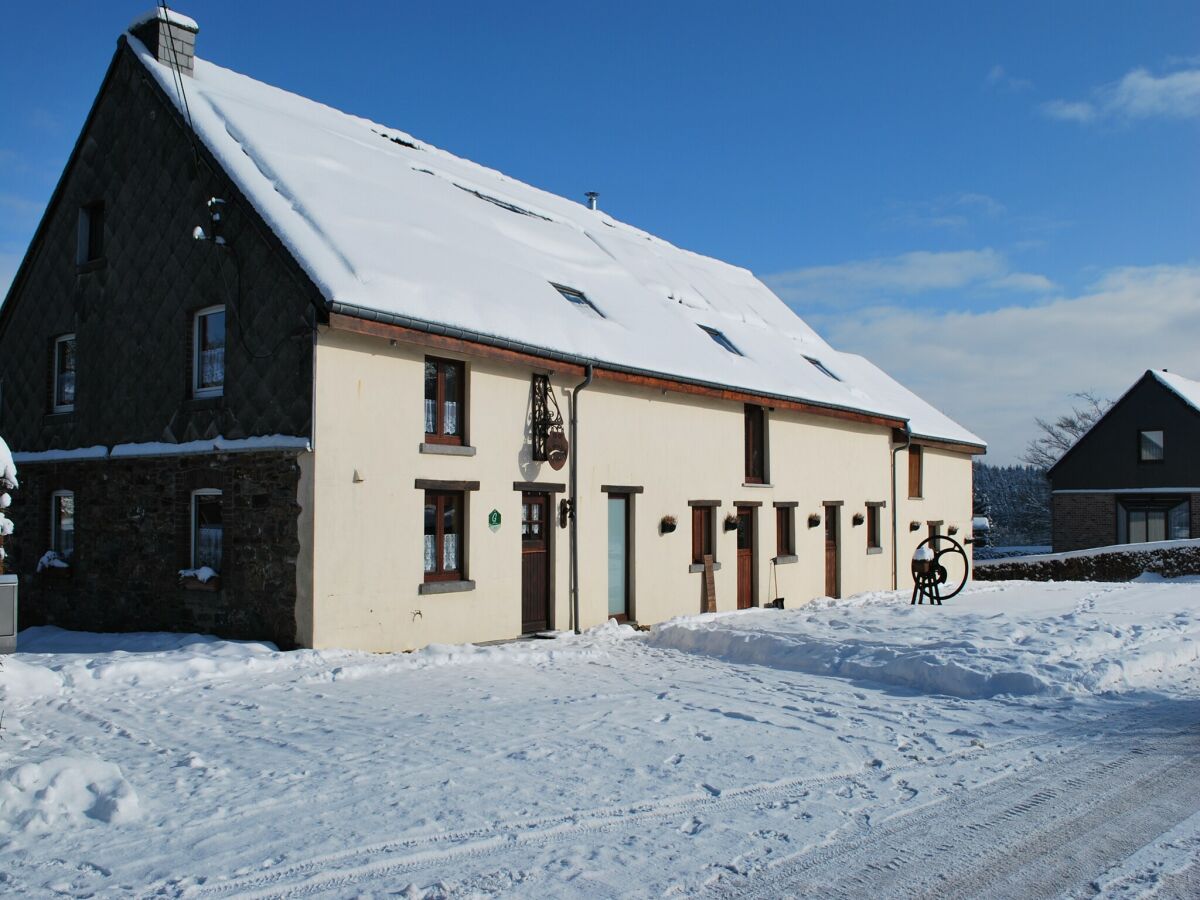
1024	740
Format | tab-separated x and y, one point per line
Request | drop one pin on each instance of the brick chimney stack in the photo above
169	36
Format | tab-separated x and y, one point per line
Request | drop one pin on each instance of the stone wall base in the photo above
133	535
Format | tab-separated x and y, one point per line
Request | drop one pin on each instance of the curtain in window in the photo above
209	532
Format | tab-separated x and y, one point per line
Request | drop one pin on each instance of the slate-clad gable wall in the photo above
132	311
1107	457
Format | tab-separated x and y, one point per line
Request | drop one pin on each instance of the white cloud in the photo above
1069	111
995	371
998	77
1139	95
951	211
918	272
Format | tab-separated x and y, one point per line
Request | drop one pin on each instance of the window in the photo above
90	234
445	381
756	444
443	535
207	530
63	398
915	473
1151	446
874	533
703	536
580	301
785	540
1153	519
62	524
822	368
208	352
721	340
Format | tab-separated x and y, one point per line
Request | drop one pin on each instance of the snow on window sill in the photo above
447	449
757	484
787	558
872	550
699	567
208	393
445	587
202	579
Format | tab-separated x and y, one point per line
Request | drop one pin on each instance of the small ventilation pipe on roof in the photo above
573	511
593	199
895	510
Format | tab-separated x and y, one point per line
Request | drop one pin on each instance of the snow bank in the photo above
999	639
53	662
63	792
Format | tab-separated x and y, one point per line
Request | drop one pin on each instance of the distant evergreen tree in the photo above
1016	500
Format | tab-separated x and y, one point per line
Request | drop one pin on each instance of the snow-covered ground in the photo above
1023	740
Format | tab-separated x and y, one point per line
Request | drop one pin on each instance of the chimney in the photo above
169	36
593	199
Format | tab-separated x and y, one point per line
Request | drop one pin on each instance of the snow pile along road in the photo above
997	638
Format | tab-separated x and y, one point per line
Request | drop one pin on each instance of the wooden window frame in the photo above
54	529
89	234
755	438
193	510
55	355
785	531
439	498
197	389
1142	461
875	526
916	472
704	522
436	436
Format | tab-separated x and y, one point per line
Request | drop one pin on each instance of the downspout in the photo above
896	511
574	499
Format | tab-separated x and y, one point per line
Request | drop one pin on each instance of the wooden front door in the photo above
745	557
535	562
832	581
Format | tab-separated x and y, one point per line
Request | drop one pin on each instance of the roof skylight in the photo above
719	338
822	368
576	298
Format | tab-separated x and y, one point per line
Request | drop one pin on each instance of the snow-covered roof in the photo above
1188	390
164	15
383	222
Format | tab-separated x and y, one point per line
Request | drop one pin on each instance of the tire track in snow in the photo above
328	873
1033	833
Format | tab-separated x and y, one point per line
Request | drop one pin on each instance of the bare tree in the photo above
1059	436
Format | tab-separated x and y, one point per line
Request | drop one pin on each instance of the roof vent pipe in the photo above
593	199
169	36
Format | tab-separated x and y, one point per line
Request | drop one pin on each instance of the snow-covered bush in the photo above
8	482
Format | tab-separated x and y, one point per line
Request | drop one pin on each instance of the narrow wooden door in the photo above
745	557
535	563
832	581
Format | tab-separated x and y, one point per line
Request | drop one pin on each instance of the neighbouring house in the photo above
275	371
1135	475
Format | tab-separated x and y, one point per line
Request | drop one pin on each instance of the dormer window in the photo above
208	352
720	339
63	396
90	234
579	300
822	368
1151	445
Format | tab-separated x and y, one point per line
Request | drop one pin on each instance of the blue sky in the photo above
998	204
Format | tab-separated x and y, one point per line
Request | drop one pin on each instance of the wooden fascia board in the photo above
952	446
416	337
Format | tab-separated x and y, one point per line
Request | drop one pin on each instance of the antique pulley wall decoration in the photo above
549	439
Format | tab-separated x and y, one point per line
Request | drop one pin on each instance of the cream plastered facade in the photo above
366	514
